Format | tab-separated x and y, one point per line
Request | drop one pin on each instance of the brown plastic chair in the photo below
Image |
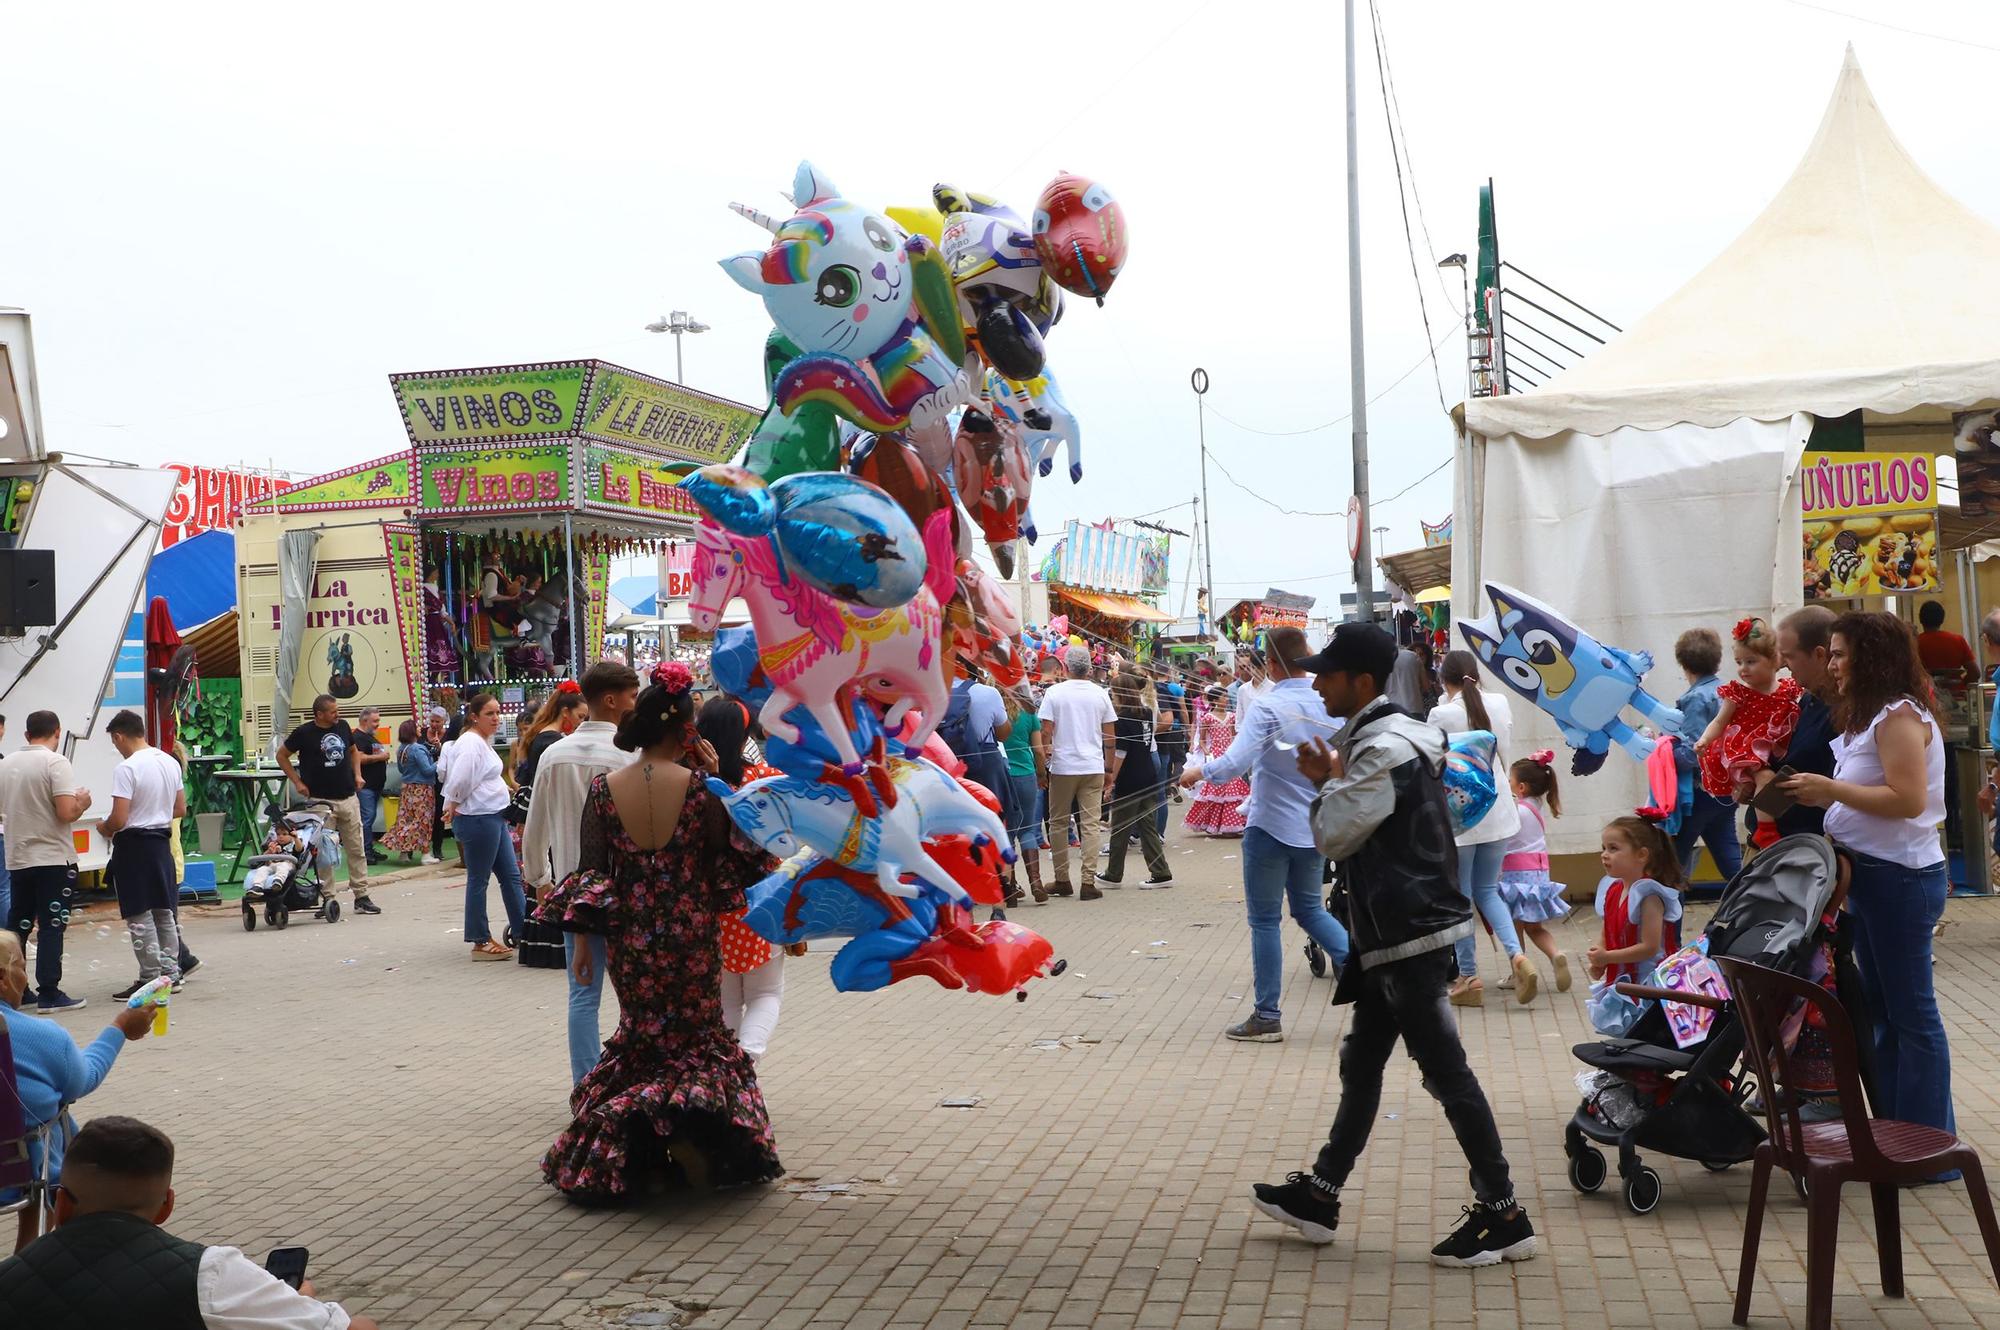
1825	1156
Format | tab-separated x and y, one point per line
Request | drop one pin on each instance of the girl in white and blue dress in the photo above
1534	899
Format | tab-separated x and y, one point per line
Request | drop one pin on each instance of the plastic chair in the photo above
1824	1157
18	1143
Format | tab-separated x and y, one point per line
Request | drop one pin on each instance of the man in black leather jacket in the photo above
1381	816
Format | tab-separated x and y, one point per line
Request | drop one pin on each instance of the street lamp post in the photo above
677	323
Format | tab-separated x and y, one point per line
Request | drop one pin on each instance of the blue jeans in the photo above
6	888
1479	879
584	1045
1712	822
1894	910
488	849
369	801
1274	872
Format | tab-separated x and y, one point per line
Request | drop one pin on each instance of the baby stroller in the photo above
287	877
1316	959
1690	1102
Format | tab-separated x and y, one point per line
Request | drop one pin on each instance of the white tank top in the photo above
1911	842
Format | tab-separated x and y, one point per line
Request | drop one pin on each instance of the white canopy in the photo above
1862	285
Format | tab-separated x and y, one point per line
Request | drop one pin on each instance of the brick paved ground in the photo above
363	1089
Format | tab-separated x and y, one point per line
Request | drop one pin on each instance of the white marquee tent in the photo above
1651	488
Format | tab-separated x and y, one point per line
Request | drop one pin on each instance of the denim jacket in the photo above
1698	707
416	764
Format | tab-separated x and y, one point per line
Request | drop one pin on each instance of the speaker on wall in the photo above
27	588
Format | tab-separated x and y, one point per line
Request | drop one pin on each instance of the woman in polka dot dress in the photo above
753	971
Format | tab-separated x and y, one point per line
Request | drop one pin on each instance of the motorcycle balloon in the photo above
1009	341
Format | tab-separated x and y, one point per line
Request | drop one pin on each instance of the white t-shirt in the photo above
150	779
1079	710
1504	819
1912	842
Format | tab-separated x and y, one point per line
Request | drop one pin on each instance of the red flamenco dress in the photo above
1759	731
672	1071
1217	808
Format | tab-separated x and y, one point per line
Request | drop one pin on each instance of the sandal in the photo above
490	950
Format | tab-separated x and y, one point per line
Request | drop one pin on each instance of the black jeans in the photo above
42	899
1407	999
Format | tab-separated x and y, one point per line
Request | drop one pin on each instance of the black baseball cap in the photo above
1356	648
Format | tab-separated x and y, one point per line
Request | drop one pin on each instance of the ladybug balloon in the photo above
1080	235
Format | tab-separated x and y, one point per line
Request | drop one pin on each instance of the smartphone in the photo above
288	1264
1771	801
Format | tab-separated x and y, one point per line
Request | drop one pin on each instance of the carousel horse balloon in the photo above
784	814
836	532
1004	297
813	756
811	644
870	310
811	897
1080	235
1582	684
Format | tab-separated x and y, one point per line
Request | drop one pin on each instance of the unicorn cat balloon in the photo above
1582	684
871	310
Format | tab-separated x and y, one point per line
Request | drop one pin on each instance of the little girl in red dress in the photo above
1754	726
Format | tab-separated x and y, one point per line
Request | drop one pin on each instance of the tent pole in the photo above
1364	575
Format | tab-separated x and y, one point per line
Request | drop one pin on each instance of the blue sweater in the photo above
52	1071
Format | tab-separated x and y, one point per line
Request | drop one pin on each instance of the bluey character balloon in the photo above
1582	684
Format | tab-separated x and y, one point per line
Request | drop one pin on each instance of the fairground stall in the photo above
1673	479
1419	585
1096	575
480	556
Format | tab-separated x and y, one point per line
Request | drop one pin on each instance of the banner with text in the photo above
630	408
491	480
1870	524
491	405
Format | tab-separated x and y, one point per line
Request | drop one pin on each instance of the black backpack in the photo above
957	715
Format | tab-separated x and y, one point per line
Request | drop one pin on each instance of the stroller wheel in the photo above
1587	1169
507	939
332	910
278	916
1718	1165
1642	1192
249	920
1315	960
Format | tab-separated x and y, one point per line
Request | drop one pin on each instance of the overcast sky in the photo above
231	229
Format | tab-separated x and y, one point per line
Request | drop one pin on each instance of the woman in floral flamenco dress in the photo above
674	1096
1216	810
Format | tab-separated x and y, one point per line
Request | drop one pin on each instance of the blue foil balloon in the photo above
1470	790
736	498
733	662
849	538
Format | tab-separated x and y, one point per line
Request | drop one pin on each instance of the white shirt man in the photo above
549	848
1079	719
146	799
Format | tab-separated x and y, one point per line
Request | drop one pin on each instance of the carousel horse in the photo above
812	645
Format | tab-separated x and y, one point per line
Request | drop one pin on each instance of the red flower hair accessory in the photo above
673	676
569	686
1746	629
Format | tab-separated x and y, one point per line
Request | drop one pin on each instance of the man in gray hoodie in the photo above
1380	815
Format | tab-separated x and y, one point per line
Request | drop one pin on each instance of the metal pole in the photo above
1364	573
1199	382
569	595
679	374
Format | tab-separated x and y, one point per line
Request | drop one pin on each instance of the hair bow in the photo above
1545	758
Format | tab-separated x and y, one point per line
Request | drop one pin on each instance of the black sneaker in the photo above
1256	1030
377	857
129	989
187	970
364	905
1303	1201
1490	1234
